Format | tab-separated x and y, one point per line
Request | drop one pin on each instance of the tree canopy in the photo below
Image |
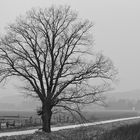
52	51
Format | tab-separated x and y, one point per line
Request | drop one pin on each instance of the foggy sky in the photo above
116	31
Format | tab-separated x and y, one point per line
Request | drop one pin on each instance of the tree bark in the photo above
46	119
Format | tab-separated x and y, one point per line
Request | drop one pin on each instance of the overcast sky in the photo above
116	31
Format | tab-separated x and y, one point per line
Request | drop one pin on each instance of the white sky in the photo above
116	31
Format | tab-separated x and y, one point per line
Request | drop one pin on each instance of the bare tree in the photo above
51	50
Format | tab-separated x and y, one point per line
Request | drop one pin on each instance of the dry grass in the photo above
126	132
83	133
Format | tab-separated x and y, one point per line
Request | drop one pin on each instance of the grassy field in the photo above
127	130
100	115
91	116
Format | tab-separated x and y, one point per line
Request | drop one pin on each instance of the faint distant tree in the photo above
51	50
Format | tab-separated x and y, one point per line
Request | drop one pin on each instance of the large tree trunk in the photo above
46	119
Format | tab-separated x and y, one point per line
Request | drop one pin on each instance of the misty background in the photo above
116	33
